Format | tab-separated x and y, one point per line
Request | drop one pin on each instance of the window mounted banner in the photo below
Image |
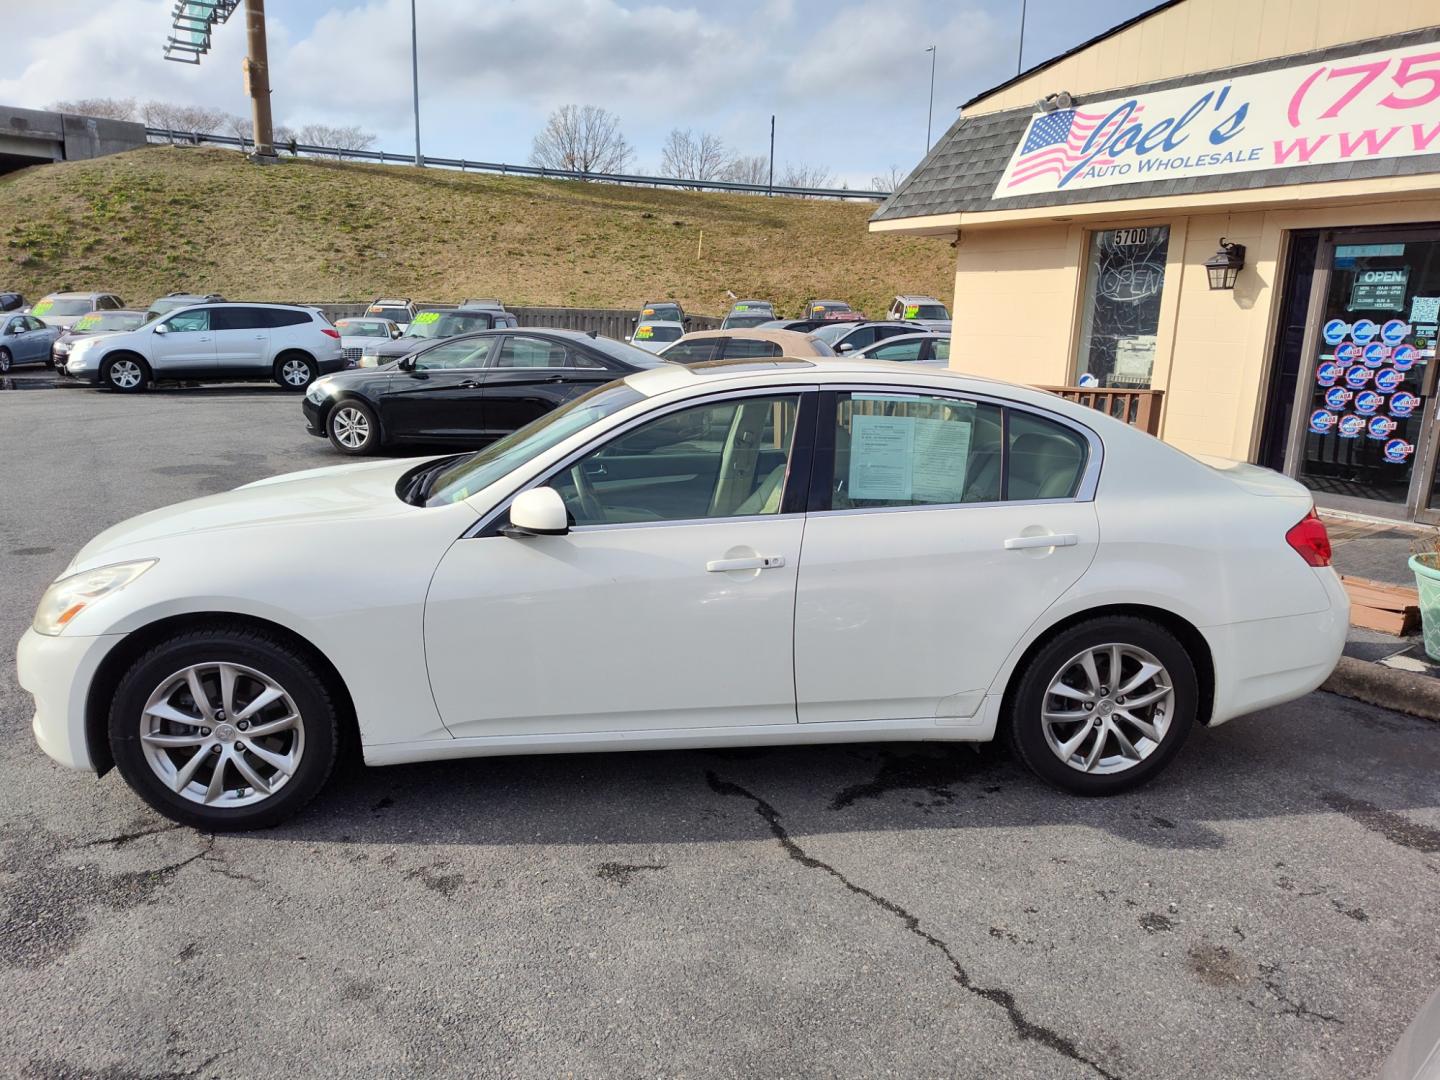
1355	108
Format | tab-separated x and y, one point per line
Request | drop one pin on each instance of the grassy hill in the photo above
165	218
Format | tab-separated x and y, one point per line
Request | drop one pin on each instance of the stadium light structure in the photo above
193	25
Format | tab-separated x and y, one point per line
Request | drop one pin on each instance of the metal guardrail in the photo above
465	165
1138	408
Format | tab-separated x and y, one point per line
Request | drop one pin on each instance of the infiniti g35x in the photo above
783	551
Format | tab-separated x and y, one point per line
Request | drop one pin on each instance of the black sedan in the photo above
468	390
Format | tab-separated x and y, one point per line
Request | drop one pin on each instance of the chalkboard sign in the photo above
1379	290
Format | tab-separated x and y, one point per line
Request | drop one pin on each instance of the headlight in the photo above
369	359
69	596
319	390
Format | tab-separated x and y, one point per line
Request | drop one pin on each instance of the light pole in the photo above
257	79
930	116
771	184
1020	54
415	81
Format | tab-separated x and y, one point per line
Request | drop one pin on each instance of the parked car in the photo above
11	301
1417	1055
921	348
820	309
801	326
400	312
24	339
702	345
432	326
846	337
65	309
176	300
660	311
97	322
212	343
924	310
1073	586
747	314
654	336
465	390
483	302
357	334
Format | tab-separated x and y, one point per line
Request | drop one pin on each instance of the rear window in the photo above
691	352
355	328
739	347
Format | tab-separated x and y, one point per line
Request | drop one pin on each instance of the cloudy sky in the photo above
849	81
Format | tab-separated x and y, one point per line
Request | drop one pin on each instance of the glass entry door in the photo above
1364	427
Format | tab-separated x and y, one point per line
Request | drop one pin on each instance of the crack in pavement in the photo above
1026	1029
125	838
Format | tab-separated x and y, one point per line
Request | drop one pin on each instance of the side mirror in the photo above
163	328
407	363
627	337
845	347
537	512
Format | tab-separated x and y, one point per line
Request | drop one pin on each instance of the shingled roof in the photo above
960	173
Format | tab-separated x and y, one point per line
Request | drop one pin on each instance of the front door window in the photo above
1124	280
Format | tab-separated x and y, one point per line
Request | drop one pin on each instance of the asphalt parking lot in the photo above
1268	907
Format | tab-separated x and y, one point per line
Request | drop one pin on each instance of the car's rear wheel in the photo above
295	371
1103	706
125	373
352	427
6	361
224	728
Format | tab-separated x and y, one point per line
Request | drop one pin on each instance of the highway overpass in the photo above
34	137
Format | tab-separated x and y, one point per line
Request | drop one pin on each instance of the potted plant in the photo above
1425	562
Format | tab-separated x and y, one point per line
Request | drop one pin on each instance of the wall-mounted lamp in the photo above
1062	100
1225	265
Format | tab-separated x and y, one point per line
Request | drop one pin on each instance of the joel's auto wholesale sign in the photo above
1358	108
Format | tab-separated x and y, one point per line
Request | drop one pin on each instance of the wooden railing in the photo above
1138	408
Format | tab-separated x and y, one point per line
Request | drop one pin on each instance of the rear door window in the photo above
239	318
743	347
527	352
1047	459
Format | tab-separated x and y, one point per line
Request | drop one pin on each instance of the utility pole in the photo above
1020	55
771	185
930	116
257	79
415	81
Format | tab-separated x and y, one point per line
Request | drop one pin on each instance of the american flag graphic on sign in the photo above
1056	143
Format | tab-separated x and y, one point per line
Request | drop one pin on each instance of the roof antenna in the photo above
594	333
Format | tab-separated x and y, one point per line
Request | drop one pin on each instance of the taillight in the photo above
330	333
1308	537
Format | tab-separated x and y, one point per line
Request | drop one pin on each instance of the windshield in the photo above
354	328
662	332
479	470
170	303
733	321
108	320
926	311
833	332
443	324
662	313
62	307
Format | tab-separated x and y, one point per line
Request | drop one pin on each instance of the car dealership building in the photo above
1221	220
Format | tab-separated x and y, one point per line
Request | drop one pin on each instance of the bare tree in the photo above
889	180
342	140
242	127
105	108
806	175
748	170
583	139
688	157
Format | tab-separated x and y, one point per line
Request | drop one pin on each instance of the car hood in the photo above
334	496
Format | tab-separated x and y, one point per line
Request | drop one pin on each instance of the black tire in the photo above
6	361
289	362
125	373
1025	728
345	420
250	648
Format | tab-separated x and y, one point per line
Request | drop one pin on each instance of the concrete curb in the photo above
1375	684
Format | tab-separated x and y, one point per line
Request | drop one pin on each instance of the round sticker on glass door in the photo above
1337	397
1394	331
1397	450
1387	379
1403	404
1327	373
1376	354
1347	352
1350	426
1379	428
1404	357
1364	331
1367	401
1335	331
1087	380
1321	421
1357	377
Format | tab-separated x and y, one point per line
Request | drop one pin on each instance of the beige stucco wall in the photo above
1018	292
1201	35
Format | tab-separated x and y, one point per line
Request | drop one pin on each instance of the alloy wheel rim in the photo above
125	373
351	428
222	735
1108	708
4	361
295	372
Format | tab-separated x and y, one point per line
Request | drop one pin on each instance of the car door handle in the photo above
754	562
1045	540
468	384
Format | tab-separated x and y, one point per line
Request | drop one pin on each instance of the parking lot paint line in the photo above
1027	1029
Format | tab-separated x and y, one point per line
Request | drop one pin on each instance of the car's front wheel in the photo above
1104	705
128	374
225	727
352	427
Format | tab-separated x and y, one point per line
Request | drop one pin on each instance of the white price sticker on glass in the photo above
910	459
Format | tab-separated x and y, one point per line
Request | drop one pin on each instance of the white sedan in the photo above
731	554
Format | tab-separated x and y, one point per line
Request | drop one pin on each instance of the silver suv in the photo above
212	343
